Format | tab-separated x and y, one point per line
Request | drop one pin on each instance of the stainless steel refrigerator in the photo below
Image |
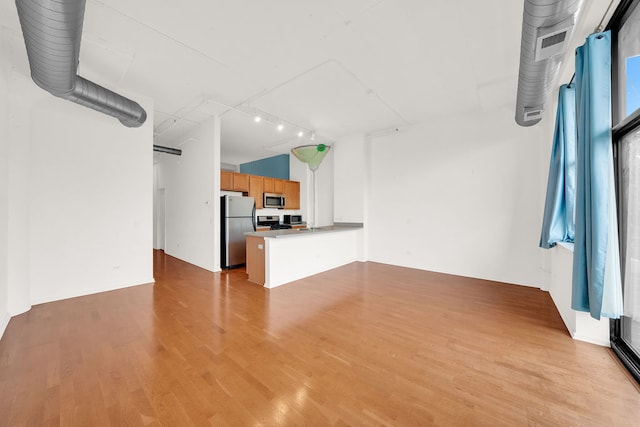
238	217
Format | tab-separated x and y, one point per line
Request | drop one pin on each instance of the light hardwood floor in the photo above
364	344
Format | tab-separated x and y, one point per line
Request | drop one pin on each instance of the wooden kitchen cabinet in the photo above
241	182
233	181
255	259
256	185
278	185
269	185
291	195
226	180
273	185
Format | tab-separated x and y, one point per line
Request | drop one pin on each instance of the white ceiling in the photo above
336	67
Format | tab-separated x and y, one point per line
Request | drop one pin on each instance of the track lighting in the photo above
288	128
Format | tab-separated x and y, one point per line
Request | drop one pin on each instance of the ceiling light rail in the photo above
258	116
261	116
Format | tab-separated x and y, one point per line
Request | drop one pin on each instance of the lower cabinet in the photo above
255	259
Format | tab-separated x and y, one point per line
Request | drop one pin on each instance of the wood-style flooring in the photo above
364	344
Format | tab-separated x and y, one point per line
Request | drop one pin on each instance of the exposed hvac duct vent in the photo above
167	150
553	40
52	31
547	26
533	113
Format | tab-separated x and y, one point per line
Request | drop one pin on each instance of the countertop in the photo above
337	227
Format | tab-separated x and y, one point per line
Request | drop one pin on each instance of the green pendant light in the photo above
311	154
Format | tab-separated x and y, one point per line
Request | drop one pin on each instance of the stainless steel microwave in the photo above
292	219
271	200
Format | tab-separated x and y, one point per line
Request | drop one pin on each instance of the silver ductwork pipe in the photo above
52	31
547	26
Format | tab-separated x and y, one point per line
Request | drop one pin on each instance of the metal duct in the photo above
547	26
52	31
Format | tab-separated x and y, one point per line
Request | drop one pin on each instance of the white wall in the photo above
192	196
350	159
299	171
4	111
459	196
324	187
581	326
80	217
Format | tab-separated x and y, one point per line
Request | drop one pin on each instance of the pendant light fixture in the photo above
312	155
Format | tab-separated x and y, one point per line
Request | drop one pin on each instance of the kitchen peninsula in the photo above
281	256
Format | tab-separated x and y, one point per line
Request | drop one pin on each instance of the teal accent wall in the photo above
274	167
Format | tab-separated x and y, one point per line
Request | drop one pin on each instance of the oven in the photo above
272	221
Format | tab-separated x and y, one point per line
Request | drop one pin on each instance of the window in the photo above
625	25
632	86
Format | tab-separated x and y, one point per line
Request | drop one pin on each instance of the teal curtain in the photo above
558	220
597	286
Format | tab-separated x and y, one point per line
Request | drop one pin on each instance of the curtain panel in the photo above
597	286
558	219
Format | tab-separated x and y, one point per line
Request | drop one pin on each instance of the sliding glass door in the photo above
625	26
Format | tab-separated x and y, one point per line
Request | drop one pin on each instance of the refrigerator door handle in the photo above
253	217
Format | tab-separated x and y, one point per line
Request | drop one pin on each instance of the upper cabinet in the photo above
273	185
241	182
269	184
233	181
255	186
291	195
226	180
278	186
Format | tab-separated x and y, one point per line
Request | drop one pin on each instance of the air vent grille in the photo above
533	113
553	40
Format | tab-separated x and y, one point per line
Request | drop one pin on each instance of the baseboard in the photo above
4	322
591	340
576	336
52	298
